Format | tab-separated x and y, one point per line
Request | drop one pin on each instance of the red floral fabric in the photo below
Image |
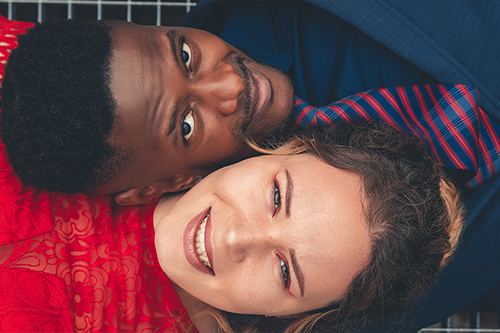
77	262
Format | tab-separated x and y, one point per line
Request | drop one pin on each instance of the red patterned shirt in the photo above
76	262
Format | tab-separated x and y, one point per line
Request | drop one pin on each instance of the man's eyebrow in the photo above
289	193
173	119
172	36
297	271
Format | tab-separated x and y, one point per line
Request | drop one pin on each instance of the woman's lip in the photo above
263	93
208	243
190	243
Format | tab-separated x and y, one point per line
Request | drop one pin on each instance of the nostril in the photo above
227	92
221	90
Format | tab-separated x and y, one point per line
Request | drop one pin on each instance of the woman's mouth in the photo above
200	243
197	245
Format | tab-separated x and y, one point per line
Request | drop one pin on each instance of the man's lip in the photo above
189	239
262	94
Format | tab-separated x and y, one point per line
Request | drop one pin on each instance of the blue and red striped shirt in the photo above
446	118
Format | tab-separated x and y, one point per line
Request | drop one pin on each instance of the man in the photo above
183	100
140	79
344	84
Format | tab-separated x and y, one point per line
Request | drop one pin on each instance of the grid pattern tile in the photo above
467	321
152	12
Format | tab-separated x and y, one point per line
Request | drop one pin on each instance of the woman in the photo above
286	237
360	241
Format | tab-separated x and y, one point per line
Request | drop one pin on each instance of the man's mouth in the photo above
262	96
257	96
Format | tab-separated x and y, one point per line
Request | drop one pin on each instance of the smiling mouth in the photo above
200	243
263	94
257	97
197	245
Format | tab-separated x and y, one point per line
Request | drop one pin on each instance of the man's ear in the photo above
137	196
144	195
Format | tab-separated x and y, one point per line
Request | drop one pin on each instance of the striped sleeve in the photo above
446	118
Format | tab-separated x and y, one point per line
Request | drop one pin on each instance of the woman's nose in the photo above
241	242
219	90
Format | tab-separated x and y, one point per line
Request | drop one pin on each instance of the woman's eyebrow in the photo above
289	193
288	202
297	271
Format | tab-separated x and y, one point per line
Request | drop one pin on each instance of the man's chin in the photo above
270	131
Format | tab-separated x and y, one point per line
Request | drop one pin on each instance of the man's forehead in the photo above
127	31
117	25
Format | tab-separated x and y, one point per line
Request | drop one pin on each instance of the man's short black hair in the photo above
57	107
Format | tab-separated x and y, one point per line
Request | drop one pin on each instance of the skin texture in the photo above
185	102
252	235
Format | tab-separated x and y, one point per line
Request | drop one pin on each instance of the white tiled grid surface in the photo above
161	12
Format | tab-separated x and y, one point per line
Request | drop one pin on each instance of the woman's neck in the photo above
205	324
164	205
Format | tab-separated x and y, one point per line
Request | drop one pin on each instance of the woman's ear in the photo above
144	195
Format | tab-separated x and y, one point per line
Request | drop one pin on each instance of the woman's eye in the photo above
277	198
188	125
285	272
186	54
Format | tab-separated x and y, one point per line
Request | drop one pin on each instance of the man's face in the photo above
185	102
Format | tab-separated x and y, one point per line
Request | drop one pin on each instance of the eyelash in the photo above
285	271
277	193
186	137
191	124
182	42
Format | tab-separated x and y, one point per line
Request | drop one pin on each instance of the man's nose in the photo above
219	90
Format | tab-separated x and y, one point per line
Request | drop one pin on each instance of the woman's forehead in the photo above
332	237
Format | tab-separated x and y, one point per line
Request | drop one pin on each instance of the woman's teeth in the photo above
200	243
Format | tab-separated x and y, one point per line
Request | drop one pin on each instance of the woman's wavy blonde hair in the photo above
415	218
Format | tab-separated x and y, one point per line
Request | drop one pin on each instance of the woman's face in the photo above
283	235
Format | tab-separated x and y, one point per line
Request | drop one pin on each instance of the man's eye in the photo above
277	198
186	54
188	125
